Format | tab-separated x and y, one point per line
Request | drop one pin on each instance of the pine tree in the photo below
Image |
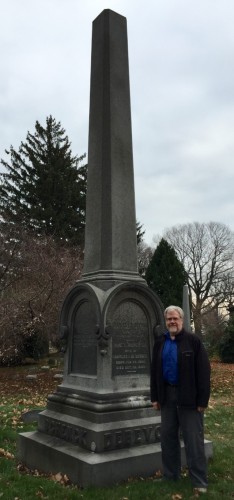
139	232
226	345
166	275
44	189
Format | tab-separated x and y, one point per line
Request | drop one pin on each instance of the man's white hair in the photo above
174	308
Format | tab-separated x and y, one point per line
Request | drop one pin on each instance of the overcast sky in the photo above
181	56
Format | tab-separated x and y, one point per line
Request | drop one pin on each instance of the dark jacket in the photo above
193	368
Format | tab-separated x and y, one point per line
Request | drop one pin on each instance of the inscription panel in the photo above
84	341
72	434
130	340
103	441
131	437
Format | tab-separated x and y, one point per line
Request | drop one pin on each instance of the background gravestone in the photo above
99	427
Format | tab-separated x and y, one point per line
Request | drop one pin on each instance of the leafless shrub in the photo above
36	274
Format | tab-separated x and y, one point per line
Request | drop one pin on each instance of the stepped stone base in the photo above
85	468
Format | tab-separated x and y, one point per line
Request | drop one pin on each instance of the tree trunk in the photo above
197	318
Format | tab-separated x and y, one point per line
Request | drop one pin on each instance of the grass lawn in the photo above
19	394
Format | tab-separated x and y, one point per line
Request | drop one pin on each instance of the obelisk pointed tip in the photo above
109	12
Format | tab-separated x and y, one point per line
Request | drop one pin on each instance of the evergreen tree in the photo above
44	189
226	345
139	232
166	275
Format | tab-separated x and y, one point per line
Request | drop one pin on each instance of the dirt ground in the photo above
14	380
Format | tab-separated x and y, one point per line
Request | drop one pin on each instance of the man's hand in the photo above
200	409
156	405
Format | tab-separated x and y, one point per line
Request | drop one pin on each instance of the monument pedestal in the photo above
99	426
86	468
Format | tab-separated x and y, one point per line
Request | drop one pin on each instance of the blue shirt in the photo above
169	360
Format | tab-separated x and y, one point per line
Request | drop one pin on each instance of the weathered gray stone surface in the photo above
110	239
97	469
30	416
100	418
31	377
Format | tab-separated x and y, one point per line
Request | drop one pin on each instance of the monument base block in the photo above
85	468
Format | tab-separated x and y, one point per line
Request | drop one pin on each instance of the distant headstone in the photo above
30	416
31	377
186	309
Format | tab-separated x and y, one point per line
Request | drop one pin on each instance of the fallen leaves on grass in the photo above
13	382
61	478
221	376
6	454
58	477
158	474
40	493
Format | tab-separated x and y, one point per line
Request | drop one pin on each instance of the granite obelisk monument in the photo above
99	427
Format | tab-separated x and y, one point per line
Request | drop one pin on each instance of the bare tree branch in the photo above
206	251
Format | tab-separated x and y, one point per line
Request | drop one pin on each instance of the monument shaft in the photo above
110	239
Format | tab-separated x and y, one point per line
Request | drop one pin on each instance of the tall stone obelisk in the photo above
99	427
110	239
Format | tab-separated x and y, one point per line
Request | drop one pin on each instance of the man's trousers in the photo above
190	422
